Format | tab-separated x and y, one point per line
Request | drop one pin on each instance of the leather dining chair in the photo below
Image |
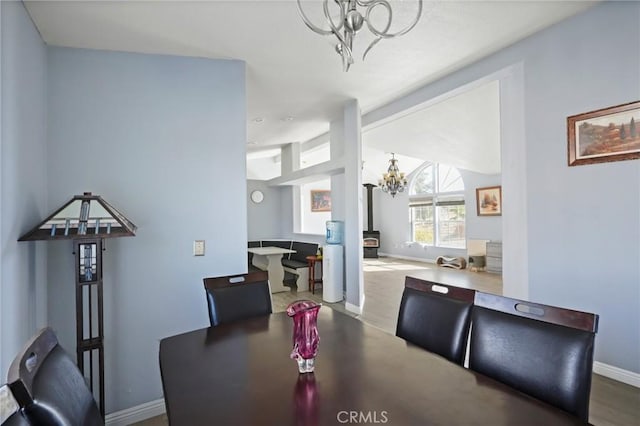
235	297
543	351
49	387
10	413
436	317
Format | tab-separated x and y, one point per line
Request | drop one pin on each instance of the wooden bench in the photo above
294	263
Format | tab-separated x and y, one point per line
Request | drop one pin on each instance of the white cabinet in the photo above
332	272
494	257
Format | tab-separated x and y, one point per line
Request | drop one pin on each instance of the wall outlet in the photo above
198	248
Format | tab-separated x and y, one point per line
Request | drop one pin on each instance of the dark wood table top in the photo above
241	374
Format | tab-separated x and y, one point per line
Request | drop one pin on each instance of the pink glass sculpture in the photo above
305	333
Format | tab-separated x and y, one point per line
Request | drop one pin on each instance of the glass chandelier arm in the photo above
373	43
384	33
347	54
370	6
333	28
345	42
312	27
345	48
373	5
366	3
327	15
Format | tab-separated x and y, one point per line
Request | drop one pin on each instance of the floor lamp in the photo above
87	220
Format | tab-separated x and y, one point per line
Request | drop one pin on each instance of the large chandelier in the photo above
351	21
393	181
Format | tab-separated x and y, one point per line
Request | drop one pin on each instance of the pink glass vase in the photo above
305	333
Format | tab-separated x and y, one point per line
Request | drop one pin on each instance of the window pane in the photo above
443	224
451	226
423	183
449	179
422	224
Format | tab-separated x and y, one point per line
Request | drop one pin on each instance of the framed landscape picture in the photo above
489	201
609	134
320	201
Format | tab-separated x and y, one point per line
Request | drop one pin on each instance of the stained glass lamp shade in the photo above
84	216
87	219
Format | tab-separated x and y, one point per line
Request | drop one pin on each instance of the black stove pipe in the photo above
369	187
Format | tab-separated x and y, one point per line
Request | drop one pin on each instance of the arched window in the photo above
436	207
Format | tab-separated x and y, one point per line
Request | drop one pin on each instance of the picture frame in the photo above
604	135
320	200
489	201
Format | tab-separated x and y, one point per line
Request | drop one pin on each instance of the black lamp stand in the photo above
89	314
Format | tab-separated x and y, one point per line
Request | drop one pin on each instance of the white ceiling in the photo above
293	72
462	131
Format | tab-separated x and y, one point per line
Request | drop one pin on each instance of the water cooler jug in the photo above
333	263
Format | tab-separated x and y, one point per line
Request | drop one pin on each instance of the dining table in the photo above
270	259
241	373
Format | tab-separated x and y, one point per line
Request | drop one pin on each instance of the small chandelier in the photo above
393	181
351	21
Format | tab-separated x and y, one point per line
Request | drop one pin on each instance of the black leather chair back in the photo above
16	419
235	297
285	244
543	351
10	413
49	387
436	317
303	250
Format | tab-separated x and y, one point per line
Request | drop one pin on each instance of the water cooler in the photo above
333	263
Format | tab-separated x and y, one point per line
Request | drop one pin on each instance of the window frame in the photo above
435	199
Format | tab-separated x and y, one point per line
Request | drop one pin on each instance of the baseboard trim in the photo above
353	308
615	373
415	259
135	414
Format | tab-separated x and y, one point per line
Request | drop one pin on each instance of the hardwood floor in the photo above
612	403
384	283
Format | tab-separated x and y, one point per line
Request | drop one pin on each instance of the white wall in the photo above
313	222
23	290
163	139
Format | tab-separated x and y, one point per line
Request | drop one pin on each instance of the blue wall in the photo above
163	139
264	220
154	135
480	227
582	223
23	291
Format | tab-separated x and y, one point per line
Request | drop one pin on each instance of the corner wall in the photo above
23	290
162	138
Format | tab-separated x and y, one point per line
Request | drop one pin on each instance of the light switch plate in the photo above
198	248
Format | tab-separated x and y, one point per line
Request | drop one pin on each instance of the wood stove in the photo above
370	238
